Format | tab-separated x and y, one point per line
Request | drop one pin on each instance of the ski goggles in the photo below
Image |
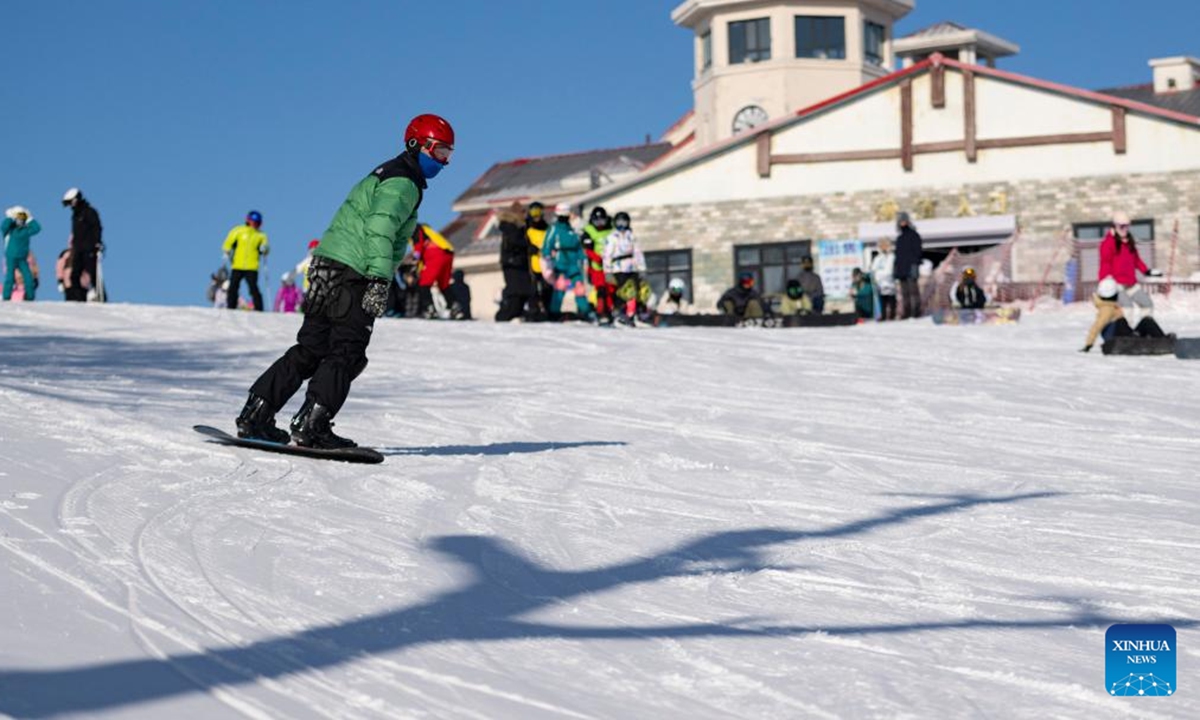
439	151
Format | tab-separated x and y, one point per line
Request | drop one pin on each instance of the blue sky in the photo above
176	118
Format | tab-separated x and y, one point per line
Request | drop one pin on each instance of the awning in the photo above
947	232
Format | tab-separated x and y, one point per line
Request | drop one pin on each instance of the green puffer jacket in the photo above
372	229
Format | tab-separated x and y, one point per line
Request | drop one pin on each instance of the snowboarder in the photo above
1120	260
795	302
86	244
968	294
17	228
623	260
675	302
348	289
562	253
458	295
246	245
742	301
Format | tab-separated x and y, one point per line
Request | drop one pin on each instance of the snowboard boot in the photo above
257	422
311	428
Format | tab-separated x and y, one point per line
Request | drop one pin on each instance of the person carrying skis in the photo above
562	253
623	259
246	245
17	228
86	244
348	289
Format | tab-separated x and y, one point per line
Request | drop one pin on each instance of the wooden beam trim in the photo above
1038	140
847	156
764	155
939	86
939	147
1120	138
970	133
906	124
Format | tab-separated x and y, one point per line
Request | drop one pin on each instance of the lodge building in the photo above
804	136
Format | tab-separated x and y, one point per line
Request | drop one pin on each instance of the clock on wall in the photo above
749	117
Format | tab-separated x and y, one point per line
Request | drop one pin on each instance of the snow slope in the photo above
876	522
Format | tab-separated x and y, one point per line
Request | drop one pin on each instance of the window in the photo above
662	267
823	38
706	51
772	265
874	36
749	41
1089	236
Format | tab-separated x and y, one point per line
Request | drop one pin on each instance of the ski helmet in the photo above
677	286
562	210
536	210
599	218
969	273
1108	288
621	221
431	133
287	278
746	279
794	289
312	244
70	196
254	218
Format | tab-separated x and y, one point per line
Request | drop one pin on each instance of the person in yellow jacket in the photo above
536	228
244	247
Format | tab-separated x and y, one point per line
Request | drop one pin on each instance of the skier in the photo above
595	237
349	278
562	253
86	244
967	294
624	260
246	244
17	228
288	297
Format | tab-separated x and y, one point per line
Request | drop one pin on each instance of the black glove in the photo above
1086	348
375	299
1154	272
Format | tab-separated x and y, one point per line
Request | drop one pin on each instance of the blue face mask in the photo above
429	167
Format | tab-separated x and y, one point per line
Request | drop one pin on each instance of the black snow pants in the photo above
235	284
331	347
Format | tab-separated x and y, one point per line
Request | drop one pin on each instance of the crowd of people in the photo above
77	270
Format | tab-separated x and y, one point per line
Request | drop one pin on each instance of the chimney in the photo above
1175	74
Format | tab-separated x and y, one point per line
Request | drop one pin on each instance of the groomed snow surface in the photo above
896	521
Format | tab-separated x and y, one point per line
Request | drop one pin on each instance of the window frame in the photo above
706	51
668	274
815	21
879	60
755	54
790	264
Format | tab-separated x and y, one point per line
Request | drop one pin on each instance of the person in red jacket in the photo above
436	256
1119	260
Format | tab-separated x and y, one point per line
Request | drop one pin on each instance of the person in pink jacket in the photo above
1119	260
289	297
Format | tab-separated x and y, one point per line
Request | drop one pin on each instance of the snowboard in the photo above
1134	345
819	321
350	455
989	316
1187	348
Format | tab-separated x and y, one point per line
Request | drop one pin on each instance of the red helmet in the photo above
431	132
312	244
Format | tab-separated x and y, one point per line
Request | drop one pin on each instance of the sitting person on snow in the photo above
459	297
674	301
742	301
969	295
1110	319
795	300
864	295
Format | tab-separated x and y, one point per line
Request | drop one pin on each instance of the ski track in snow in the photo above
880	522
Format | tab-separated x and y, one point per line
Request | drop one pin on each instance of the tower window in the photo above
822	38
706	51
874	36
749	41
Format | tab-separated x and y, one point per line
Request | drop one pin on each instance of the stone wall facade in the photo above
1043	209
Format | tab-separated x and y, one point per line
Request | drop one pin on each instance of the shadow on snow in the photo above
503	587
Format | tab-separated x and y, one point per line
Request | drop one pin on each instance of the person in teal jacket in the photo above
17	229
348	282
864	295
563	251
